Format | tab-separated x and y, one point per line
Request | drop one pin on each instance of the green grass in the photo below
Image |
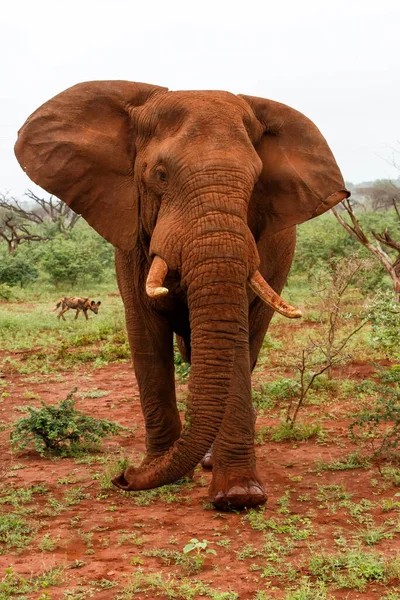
171	587
12	585
299	432
16	532
59	345
347	463
354	568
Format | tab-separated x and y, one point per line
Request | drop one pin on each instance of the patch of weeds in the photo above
55	507
72	478
81	592
60	429
284	503
225	543
182	368
359	511
180	588
18	496
12	583
191	560
309	590
353	568
268	394
48	543
95	393
390	376
332	493
31	395
377	429
127	537
74	496
391	474
114	352
89	459
346	463
393	594
248	551
103	584
167	493
388	504
299	432
256	518
372	535
15	532
87	538
285	431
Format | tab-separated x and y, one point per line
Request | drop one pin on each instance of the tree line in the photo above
41	238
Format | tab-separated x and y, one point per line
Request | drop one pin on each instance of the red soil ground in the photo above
107	513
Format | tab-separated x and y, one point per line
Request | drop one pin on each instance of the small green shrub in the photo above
385	319
284	431
377	429
269	393
5	291
353	568
60	428
182	368
17	270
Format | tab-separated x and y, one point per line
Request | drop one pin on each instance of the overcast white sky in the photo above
337	61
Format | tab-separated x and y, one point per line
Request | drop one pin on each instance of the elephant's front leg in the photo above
235	481
151	343
152	351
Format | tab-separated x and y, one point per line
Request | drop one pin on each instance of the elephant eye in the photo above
161	174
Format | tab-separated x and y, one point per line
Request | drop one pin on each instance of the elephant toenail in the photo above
256	491
236	491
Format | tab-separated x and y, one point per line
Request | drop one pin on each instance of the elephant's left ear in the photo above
80	146
300	177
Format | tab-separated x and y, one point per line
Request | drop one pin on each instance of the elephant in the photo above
200	193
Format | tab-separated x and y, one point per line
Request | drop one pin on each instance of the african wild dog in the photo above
77	304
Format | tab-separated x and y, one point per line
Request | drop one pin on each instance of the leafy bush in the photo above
377	429
17	270
5	292
60	428
385	319
182	368
269	393
66	261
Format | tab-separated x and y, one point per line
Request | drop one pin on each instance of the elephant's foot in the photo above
207	460
232	491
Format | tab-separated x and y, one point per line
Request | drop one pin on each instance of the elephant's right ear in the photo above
300	178
80	146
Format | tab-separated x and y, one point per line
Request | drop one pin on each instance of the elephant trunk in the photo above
217	299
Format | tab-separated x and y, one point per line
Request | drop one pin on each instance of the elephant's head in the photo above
177	171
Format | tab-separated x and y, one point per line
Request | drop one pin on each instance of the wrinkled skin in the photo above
214	184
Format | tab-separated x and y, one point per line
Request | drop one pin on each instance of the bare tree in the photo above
380	195
326	347
16	233
391	265
44	210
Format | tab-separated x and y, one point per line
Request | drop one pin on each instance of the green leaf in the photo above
188	548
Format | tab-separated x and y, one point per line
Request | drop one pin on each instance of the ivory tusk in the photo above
266	293
155	278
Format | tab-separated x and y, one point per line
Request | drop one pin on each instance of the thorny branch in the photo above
51	209
15	234
392	266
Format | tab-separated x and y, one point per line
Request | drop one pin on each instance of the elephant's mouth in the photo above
159	270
